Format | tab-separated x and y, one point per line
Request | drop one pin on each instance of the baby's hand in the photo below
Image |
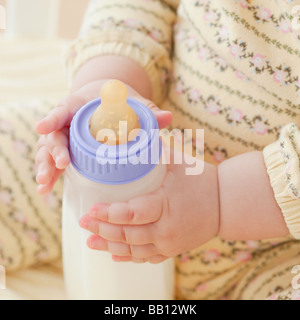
53	153
182	215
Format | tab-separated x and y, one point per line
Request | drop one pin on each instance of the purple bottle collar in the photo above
115	164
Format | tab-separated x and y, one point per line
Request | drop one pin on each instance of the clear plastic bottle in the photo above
91	179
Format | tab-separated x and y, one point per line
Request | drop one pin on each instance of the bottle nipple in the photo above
107	122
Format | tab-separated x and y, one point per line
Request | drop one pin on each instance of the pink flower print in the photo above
20	216
265	14
185	257
273	298
235	50
179	88
240	75
258	60
156	35
284	27
179	36
224	33
296	295
195	95
212	255
20	147
201	287
51	200
33	235
5	197
243	256
219	156
213	108
244	4
237	115
5	125
132	23
221	62
203	53
260	128
298	84
210	16
252	244
191	42
280	76
72	54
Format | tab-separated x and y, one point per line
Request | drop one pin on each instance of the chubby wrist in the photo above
121	68
215	205
209	198
248	208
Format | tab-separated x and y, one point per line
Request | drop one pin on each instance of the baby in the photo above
232	68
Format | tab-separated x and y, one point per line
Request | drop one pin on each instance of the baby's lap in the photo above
29	223
274	281
244	270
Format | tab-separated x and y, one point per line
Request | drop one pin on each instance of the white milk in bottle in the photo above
108	173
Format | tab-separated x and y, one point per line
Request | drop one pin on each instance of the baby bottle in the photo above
104	170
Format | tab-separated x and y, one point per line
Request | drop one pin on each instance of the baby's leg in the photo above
29	223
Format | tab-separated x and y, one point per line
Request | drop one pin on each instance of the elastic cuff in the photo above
279	171
153	57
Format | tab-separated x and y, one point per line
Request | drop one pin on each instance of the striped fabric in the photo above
31	83
31	70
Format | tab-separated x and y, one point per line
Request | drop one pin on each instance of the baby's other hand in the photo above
53	154
180	216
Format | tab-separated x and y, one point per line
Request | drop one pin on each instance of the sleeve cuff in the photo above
282	162
153	57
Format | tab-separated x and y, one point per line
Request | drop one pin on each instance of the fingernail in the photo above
96	243
40	189
99	210
41	173
60	162
93	212
164	111
90	243
83	223
39	177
